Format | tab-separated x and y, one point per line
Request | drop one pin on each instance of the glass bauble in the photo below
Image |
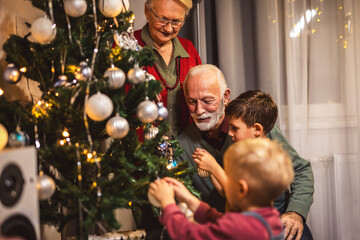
12	74
75	8
99	107
147	111
45	186
136	75
18	138
117	127
116	77
43	30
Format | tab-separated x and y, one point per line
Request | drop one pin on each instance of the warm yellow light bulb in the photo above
23	69
62	142
65	134
1	92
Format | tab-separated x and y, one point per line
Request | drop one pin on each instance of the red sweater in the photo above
185	65
214	225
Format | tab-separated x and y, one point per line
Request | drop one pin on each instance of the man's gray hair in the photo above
200	69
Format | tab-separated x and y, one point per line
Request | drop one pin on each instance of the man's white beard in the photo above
214	118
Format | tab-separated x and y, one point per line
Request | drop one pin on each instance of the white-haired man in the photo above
207	96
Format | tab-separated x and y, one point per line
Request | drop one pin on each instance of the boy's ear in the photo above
243	188
258	129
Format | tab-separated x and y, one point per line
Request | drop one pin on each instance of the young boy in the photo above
251	115
258	171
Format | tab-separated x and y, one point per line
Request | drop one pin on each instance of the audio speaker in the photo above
19	204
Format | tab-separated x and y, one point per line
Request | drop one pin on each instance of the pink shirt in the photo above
214	225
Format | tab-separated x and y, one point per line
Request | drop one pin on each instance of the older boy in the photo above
258	171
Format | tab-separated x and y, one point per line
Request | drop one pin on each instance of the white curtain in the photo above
308	59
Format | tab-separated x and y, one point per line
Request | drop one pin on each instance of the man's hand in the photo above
293	225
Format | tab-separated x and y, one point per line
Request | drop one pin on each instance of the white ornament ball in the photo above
153	200
136	75
163	112
117	127
12	74
149	77
43	30
147	111
99	107
45	186
3	136
75	8
116	77
112	8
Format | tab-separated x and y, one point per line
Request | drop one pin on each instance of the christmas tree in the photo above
89	69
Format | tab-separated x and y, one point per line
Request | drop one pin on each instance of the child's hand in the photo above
205	160
182	194
163	192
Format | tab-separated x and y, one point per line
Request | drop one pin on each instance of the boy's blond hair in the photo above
263	164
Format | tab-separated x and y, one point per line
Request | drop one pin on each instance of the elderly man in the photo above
207	95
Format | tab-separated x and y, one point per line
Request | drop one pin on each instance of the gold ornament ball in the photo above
117	127
12	74
3	136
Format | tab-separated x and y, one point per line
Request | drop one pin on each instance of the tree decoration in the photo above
112	8
116	77
43	30
75	8
12	74
18	138
45	186
147	111
203	173
61	81
136	75
151	133
3	136
117	127
163	112
83	72
99	107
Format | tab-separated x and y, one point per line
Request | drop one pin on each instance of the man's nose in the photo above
199	109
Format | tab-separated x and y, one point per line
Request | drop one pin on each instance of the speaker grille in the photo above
11	185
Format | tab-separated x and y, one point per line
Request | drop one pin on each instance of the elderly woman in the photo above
174	55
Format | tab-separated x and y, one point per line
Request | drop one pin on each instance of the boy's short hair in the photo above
252	107
263	164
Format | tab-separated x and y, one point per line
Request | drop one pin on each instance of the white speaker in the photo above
19	204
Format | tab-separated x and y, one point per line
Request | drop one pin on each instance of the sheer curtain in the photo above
307	56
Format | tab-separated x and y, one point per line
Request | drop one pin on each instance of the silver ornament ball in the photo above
151	133
83	72
99	107
163	112
136	75
18	138
117	127
116	77
147	111
75	8
45	186
43	30
12	74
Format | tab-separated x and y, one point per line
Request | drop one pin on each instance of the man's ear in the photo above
227	96
258	130
243	188
147	12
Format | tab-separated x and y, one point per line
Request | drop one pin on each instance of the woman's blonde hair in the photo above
186	3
